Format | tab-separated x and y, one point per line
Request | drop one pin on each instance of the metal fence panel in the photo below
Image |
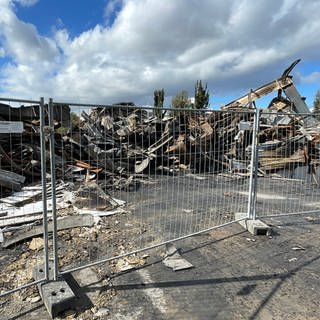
146	181
22	181
288	156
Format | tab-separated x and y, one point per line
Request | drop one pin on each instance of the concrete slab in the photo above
174	260
86	279
57	296
255	227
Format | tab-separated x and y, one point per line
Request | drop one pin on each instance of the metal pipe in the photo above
44	189
19	100
290	214
22	287
256	164
53	191
251	197
90	105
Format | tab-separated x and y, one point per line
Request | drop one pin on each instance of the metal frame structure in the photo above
41	105
77	108
296	190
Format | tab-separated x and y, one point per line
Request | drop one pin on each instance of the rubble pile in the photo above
284	139
119	146
20	151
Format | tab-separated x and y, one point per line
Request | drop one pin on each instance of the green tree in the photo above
201	96
74	123
316	105
75	120
158	102
180	101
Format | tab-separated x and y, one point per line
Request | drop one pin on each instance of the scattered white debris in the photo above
296	248
36	244
293	259
174	260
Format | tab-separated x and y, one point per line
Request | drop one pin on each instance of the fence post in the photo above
53	191
254	163
44	188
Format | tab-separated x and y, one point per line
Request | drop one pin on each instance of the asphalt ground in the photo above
234	275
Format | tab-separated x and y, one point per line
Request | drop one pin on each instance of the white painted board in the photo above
11	126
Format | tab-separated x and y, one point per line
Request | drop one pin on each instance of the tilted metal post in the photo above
53	191
44	188
256	165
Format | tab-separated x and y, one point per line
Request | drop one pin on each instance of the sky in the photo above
99	51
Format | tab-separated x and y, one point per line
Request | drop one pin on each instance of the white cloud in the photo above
286	7
27	3
311	78
111	9
23	42
232	45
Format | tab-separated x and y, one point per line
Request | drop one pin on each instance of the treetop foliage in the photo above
181	100
316	105
158	102
201	96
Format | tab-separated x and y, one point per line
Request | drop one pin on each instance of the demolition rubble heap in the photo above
20	153
120	145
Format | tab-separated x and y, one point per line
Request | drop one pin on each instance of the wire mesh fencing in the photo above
288	170
94	183
136	180
22	190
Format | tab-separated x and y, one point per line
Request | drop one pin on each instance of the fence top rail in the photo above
20	100
286	113
135	107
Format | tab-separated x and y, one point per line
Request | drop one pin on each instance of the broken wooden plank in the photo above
84	220
158	144
28	213
20	220
280	162
21	197
11	180
140	166
101	213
